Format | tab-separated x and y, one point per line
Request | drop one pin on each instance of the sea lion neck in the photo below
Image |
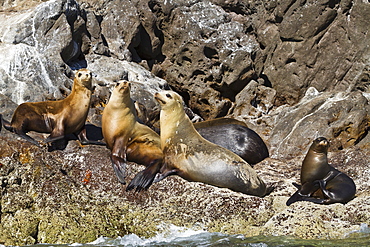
170	120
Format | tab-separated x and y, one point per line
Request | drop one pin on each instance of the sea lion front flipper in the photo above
119	161
145	178
54	137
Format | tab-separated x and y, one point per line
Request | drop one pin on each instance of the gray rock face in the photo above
292	70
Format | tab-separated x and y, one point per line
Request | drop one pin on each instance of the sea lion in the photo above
59	118
226	132
130	140
322	183
190	156
234	135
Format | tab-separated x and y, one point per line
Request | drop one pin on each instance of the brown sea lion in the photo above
322	183
130	140
193	158
59	118
234	135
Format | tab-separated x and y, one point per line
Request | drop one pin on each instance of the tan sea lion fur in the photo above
320	182
193	158
130	140
59	118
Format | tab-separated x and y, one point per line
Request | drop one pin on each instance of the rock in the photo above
44	192
341	117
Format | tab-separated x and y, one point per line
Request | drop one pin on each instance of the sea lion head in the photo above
122	87
168	99
320	145
84	77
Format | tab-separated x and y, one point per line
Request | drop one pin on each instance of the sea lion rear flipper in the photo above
145	178
161	176
294	198
82	137
298	197
298	186
7	125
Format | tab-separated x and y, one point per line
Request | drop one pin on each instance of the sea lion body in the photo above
130	140
322	183
193	158
59	118
235	136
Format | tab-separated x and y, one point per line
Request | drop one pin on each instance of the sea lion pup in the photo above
193	158
322	183
59	118
234	135
130	140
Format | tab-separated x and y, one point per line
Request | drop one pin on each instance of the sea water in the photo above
180	236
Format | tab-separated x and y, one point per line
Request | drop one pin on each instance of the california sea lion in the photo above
322	183
130	140
59	118
234	135
193	158
226	132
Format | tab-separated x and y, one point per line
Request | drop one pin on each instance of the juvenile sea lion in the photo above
234	135
193	158
59	118
322	183
130	140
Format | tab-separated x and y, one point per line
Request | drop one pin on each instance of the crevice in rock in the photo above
224	110
333	3
210	52
290	39
36	233
266	81
327	23
290	60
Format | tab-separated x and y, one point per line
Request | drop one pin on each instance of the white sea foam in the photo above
168	235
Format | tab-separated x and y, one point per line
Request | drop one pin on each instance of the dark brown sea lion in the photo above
234	135
322	183
130	140
59	118
190	156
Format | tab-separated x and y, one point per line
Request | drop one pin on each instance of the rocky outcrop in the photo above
72	195
292	70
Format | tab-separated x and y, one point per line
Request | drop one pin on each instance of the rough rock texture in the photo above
49	197
292	70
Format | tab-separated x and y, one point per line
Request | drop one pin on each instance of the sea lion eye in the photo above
169	96
79	75
117	84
